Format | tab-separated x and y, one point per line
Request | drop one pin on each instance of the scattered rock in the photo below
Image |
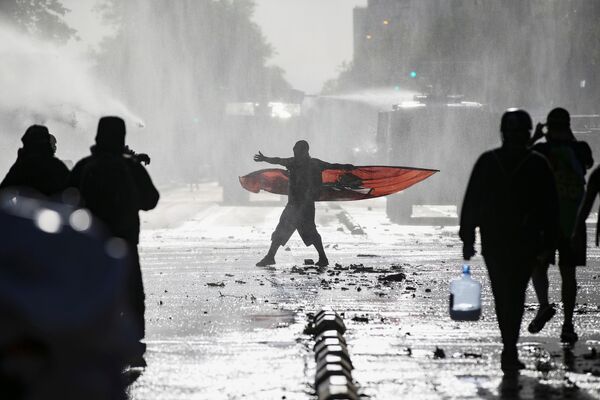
592	355
216	284
360	319
407	351
240	282
367	255
439	353
309	261
393	277
411	288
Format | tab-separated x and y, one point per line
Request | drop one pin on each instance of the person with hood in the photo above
115	186
569	160
299	214
511	197
36	170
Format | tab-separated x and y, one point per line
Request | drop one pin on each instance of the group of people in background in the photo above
111	183
529	201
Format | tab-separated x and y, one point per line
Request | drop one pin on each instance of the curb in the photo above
333	378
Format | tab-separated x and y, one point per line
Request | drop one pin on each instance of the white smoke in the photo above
43	83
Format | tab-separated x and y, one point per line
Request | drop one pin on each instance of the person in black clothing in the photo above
115	186
299	213
591	192
569	160
511	197
37	171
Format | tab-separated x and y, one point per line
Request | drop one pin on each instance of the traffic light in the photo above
413	74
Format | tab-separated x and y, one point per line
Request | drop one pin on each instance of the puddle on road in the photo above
276	320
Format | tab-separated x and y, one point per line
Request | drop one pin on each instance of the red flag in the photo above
341	184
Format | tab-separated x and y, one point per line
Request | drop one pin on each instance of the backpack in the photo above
569	175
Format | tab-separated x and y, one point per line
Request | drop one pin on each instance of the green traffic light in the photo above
413	74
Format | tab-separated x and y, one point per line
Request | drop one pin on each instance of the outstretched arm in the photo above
271	160
326	165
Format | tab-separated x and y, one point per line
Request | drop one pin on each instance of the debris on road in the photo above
393	277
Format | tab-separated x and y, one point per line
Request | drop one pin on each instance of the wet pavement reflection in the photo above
220	328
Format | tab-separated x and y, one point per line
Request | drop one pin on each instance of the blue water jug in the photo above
465	297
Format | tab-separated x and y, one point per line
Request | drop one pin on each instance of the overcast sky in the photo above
311	37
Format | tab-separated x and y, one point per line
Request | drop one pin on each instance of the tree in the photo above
40	18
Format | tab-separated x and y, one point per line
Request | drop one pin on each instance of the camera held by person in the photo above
142	158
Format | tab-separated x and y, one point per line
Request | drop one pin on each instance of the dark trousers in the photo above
300	217
135	293
509	278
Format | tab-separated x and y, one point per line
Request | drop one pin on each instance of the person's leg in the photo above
137	306
284	230
569	295
539	279
318	243
307	229
509	284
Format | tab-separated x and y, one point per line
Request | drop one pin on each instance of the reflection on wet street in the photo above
221	328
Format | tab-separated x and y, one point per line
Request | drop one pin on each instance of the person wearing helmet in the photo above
299	213
511	197
569	160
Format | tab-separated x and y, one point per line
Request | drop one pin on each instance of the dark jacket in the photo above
511	197
37	170
569	161
115	188
306	177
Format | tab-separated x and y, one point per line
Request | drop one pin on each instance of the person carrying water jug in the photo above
511	196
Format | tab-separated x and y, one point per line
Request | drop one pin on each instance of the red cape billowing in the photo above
359	183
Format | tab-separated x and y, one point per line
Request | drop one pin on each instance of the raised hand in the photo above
259	157
538	133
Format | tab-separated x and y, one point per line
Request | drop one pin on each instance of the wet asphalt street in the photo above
220	328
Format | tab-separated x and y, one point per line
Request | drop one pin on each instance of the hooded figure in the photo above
512	198
115	187
36	170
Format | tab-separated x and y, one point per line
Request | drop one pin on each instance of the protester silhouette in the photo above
591	193
304	188
569	159
511	197
36	170
115	186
